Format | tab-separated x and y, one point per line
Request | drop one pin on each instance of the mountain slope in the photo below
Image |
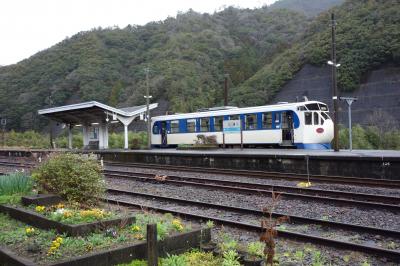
310	8
186	55
368	35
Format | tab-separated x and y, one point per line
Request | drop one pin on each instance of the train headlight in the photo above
320	130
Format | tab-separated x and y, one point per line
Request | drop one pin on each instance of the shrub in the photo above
77	178
15	183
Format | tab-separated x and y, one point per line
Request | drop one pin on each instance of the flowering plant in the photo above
30	231
55	245
40	208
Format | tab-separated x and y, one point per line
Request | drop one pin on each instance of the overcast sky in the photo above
29	26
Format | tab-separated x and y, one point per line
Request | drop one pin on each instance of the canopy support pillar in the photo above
70	136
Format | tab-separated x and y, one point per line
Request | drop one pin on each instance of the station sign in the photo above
231	126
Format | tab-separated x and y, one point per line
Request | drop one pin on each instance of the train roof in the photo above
233	111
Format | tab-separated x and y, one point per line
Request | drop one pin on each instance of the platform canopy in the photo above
94	118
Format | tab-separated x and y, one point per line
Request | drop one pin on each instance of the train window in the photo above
156	128
174	126
316	118
308	118
323	107
275	116
205	124
267	120
312	106
218	123
251	121
325	116
301	108
234	117
191	125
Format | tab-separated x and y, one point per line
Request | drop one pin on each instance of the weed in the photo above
365	263
300	256
174	260
318	259
268	225
230	258
210	224
256	249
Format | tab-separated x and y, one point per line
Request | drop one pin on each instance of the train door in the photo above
287	128
164	133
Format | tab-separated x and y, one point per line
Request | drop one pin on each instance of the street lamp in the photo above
148	119
349	101
333	64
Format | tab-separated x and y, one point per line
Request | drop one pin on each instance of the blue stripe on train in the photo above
313	146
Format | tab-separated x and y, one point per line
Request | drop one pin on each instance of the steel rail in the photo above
270	175
347	202
392	254
293	218
258	186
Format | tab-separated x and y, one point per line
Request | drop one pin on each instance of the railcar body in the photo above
303	125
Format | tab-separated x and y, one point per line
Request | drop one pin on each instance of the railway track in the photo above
17	164
379	251
379	202
369	182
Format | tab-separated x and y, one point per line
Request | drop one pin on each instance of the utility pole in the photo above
51	124
148	119
334	87
226	90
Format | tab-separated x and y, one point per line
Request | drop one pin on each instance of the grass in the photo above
15	183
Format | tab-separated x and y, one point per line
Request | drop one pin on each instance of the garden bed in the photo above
38	220
41	199
32	246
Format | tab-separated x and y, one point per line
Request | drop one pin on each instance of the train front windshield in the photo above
315	113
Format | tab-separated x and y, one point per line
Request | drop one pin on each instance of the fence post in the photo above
152	250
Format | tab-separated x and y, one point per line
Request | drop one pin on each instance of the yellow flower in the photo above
55	245
136	228
138	236
177	224
29	231
96	213
40	208
67	214
60	206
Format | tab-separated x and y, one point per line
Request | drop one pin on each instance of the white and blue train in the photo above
302	125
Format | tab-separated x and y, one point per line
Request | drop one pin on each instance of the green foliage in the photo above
256	249
77	178
174	260
166	224
309	7
191	258
27	139
231	258
15	183
370	138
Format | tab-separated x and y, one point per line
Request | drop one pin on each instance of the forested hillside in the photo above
310	8
188	55
368	36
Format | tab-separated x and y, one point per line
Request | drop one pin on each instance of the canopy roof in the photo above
91	112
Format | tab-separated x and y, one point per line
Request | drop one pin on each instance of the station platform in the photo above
378	164
272	152
357	163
